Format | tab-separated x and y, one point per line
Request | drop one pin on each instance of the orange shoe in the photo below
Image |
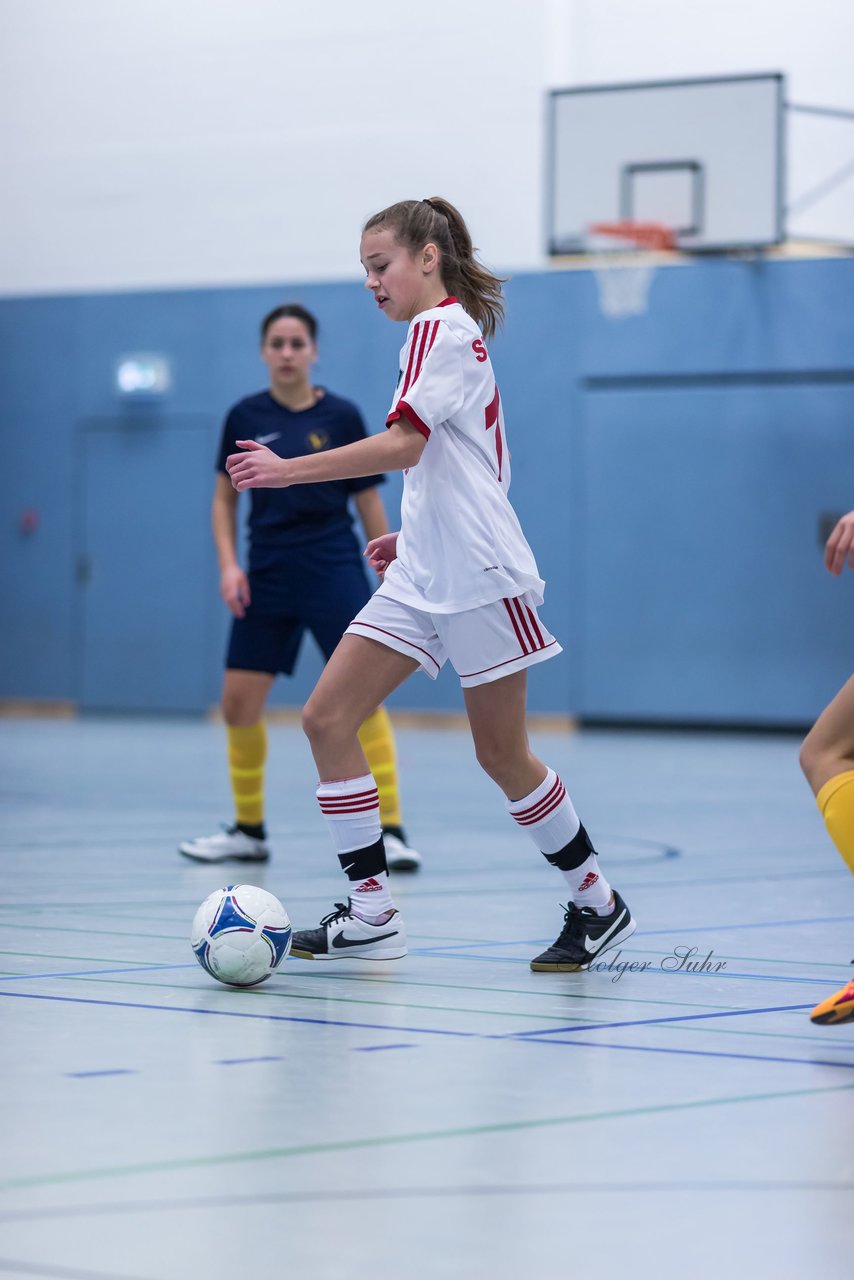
836	1008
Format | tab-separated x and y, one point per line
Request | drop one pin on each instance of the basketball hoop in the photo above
623	256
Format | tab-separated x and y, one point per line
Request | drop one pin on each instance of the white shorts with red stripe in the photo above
481	644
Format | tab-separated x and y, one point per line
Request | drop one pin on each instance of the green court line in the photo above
403	1139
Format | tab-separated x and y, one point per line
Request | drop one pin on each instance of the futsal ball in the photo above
240	935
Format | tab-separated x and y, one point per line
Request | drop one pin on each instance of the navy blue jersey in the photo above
280	519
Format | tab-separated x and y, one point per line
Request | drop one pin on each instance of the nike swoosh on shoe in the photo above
339	941
595	944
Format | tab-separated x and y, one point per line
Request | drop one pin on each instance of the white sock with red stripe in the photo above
352	811
547	815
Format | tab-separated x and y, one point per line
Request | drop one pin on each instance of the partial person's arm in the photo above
398	448
380	552
839	547
233	583
371	511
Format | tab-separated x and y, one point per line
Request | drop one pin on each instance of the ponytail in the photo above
436	221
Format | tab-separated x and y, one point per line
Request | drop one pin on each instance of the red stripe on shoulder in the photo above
408	378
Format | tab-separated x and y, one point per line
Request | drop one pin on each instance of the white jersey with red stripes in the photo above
461	545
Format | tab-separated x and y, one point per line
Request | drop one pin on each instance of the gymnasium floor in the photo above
451	1114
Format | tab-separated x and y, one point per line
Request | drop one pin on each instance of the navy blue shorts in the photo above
268	637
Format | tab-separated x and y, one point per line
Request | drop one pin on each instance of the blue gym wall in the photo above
671	472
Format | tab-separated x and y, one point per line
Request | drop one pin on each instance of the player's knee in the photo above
234	709
320	721
310	721
492	757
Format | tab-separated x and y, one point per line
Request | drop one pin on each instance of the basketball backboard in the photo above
704	157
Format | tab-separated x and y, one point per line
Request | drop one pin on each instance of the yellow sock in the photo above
247	752
377	742
836	802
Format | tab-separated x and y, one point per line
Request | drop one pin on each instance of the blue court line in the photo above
641	933
439	954
115	1071
377	1048
789	979
674	973
237	1013
543	1037
766	924
447	872
238	1062
698	1053
442	952
90	973
524	1037
423	1192
651	1022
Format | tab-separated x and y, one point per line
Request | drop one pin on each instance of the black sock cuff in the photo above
255	829
573	854
361	864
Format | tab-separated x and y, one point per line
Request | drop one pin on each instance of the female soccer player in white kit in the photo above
460	584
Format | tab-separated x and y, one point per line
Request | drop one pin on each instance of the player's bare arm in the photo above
369	506
840	545
233	582
399	447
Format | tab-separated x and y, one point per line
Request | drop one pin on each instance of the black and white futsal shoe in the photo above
584	936
343	936
228	845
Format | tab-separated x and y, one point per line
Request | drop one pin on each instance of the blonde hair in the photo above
415	223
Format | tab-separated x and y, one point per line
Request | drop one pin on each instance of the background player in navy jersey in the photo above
827	759
306	573
460	583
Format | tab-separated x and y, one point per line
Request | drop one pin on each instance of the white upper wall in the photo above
202	142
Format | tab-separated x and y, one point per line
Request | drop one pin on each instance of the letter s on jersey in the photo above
479	350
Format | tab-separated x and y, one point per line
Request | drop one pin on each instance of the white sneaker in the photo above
343	936
398	855
228	845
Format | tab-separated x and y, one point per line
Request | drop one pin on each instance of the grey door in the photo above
149	630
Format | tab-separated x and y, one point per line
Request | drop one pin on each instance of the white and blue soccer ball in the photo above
240	935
